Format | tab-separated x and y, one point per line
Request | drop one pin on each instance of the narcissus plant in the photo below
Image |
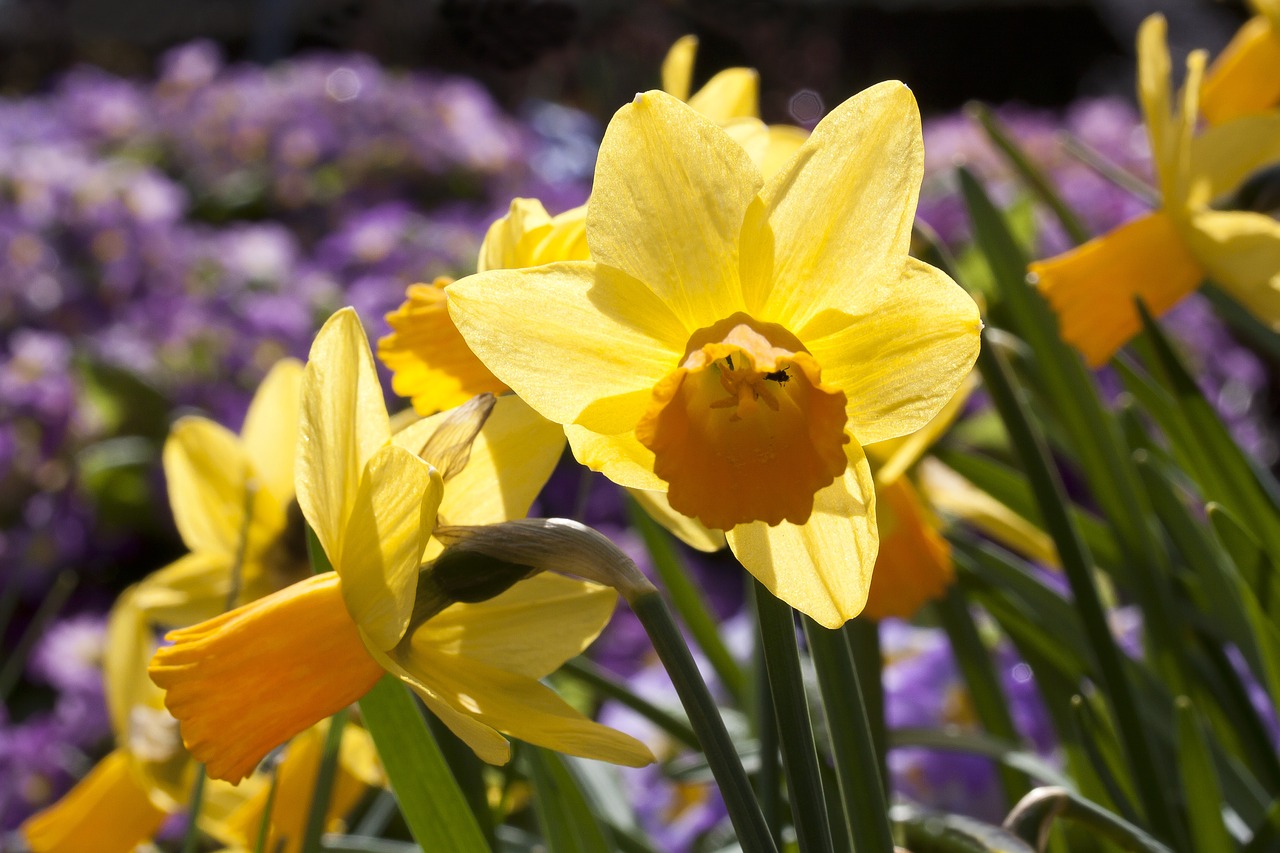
735	341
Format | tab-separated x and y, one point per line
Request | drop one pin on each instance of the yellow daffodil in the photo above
231	497
1245	78
245	681
734	341
430	362
1164	255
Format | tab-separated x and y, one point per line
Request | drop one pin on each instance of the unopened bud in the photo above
551	545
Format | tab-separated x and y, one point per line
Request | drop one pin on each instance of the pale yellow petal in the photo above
677	67
1092	287
891	459
948	492
128	645
836	220
391	518
504	245
577	341
753	136
670	193
565	240
530	629
823	567
511	461
1241	252
688	530
519	706
901	353
487	744
207	474
1245	78
344	421
784	141
1222	157
621	458
108	811
1155	95
731	93
270	432
189	590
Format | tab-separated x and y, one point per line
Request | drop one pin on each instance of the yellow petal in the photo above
822	567
1155	94
688	530
900	354
836	220
566	240
914	564
752	135
784	141
391	519
892	458
670	193
189	590
207	474
108	811
511	460
270	431
344	421
530	629
430	362
245	682
621	458
677	67
1222	157
948	492
504	246
1245	78
295	785
1241	252
1092	287
519	706
569	338
489	746
732	93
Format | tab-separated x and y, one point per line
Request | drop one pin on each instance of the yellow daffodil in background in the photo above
1245	78
429	361
734	342
235	554
731	99
1164	255
244	682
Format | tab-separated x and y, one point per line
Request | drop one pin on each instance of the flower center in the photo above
744	430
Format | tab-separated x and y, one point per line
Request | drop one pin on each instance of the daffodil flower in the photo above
734	341
1164	255
248	680
1245	78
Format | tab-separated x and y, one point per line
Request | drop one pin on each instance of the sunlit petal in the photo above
1241	252
822	567
914	563
1245	78
621	458
731	93
677	67
688	530
270	430
670	192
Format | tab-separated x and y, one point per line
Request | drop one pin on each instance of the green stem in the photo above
853	748
322	792
689	602
191	838
1034	816
606	685
264	826
795	728
722	755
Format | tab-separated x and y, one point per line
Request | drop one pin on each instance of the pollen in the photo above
745	430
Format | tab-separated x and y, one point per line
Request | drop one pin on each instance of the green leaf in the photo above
1009	753
606	685
1201	791
434	808
568	824
322	790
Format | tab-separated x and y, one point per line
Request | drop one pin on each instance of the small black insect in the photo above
779	376
729	361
